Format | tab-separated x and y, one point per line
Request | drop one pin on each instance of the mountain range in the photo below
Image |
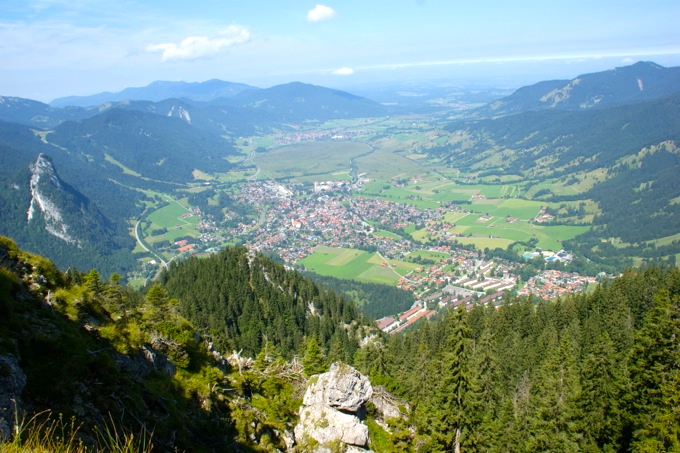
610	133
159	91
642	81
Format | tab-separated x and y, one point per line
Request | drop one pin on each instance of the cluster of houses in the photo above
331	134
553	283
445	298
405	320
543	217
184	246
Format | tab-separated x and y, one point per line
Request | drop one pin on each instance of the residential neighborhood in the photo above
293	219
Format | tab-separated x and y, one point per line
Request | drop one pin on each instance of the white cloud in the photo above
320	13
194	47
343	71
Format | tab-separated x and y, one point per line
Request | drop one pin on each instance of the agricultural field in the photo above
427	255
355	264
386	234
173	217
496	231
319	159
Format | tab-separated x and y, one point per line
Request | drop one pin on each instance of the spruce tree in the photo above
602	390
312	361
445	415
655	365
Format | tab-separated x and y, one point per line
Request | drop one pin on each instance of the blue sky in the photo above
54	48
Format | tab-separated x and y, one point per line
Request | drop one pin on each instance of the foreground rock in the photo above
333	409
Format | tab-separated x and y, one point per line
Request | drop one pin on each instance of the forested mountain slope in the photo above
635	83
243	300
594	372
155	146
624	158
129	366
45	212
72	345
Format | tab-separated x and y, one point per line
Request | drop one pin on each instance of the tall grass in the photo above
43	433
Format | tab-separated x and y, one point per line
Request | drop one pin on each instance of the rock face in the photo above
333	407
12	382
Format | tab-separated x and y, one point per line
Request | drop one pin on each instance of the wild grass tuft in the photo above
43	433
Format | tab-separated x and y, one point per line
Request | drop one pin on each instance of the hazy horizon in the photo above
59	48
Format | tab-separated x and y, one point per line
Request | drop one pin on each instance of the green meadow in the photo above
497	232
174	217
321	160
355	264
428	255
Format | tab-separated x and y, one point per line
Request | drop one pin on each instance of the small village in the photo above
293	219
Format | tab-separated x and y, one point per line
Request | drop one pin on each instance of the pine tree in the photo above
483	395
552	422
312	361
93	283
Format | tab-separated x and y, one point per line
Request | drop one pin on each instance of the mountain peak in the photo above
642	64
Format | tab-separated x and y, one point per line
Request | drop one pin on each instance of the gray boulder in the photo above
326	425
342	388
332	410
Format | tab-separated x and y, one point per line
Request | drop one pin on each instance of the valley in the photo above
362	199
514	196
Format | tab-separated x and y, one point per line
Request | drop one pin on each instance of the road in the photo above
139	241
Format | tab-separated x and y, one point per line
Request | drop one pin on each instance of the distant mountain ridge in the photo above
639	82
38	114
623	153
298	101
159	91
222	108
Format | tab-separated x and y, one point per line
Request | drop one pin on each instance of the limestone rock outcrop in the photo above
333	409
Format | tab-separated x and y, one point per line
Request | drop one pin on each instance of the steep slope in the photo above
243	300
567	139
63	212
131	365
74	346
46	214
635	83
157	147
158	91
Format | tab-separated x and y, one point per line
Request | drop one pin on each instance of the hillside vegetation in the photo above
125	366
597	372
594	372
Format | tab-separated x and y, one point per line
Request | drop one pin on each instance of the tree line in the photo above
597	372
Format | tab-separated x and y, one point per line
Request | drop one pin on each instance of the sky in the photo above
57	48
